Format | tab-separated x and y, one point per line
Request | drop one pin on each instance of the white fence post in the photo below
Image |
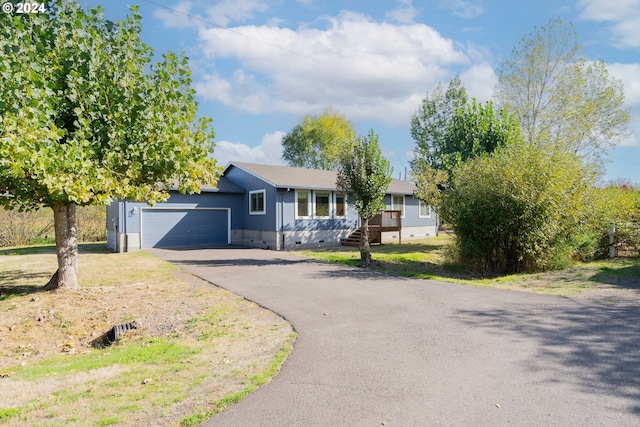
612	245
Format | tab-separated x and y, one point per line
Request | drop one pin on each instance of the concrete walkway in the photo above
378	350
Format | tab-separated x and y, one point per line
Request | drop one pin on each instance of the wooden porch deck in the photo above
384	221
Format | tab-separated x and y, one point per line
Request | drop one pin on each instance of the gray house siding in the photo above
115	223
250	183
180	211
298	233
260	230
255	205
278	228
413	226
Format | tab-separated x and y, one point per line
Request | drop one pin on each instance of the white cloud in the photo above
178	18
269	152
404	13
198	13
623	15
463	8
632	140
629	74
241	91
479	80
389	153
226	11
215	88
366	69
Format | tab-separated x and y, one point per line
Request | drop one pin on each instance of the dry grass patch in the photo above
196	344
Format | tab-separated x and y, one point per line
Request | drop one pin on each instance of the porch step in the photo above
354	238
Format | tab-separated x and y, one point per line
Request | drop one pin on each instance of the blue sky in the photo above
260	66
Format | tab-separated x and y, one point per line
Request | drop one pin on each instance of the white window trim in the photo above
309	208
393	208
264	202
328	193
420	205
335	205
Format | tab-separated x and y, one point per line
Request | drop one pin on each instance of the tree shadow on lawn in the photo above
425	270
594	347
407	269
8	290
403	268
393	248
34	282
626	277
99	247
405	248
358	273
235	262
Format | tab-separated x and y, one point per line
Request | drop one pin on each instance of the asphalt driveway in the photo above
379	350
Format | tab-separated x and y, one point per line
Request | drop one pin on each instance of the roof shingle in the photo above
313	179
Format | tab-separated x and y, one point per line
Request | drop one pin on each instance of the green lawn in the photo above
425	259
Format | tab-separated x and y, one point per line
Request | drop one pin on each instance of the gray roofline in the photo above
234	164
246	167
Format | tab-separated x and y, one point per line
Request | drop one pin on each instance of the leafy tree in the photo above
560	99
430	183
85	117
365	175
475	130
519	209
430	123
319	141
472	131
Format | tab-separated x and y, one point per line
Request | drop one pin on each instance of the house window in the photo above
341	205
256	202
322	204
302	204
425	210
397	203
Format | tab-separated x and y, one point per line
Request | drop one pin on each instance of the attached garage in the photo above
175	227
210	218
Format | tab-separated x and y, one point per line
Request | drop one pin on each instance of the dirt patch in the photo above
195	343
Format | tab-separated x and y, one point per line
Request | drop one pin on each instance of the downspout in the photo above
282	240
124	226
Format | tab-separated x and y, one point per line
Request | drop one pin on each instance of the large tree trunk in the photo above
365	249
66	226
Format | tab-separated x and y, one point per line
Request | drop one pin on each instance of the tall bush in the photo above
19	228
518	209
607	205
22	228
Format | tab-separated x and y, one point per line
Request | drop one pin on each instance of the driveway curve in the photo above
379	350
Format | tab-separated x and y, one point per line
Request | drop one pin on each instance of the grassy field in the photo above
36	227
425	259
197	349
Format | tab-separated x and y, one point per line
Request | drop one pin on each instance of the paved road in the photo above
378	350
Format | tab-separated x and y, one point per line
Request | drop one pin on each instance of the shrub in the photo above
607	205
522	208
92	222
27	228
22	228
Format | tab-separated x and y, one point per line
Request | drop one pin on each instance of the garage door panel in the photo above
184	227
